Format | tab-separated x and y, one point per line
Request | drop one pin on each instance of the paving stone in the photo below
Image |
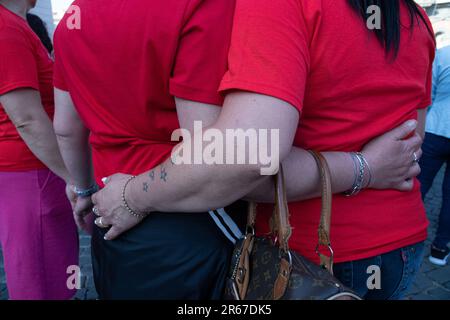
85	261
439	293
422	296
85	239
91	294
80	295
441	276
421	283
427	266
447	285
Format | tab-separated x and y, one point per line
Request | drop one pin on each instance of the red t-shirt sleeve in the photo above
201	59
269	51
427	101
58	73
18	67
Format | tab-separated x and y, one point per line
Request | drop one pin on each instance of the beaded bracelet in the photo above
125	203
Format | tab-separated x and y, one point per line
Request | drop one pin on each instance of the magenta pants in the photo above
38	235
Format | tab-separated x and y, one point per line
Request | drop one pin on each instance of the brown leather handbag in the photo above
263	269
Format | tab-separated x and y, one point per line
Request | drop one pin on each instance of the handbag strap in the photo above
281	214
325	216
281	227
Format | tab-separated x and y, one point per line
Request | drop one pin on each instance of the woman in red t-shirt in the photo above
37	232
351	79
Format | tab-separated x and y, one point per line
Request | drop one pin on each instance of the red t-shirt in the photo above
24	63
320	57
126	63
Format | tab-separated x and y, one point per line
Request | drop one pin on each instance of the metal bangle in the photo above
350	191
355	171
362	170
84	193
357	185
125	203
368	168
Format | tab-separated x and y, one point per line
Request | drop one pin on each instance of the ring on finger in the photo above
100	224
416	158
96	211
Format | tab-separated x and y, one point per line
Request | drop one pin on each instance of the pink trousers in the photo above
38	235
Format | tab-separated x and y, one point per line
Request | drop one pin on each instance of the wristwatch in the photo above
84	193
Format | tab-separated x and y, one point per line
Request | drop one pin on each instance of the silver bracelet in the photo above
125	203
359	175
368	168
84	193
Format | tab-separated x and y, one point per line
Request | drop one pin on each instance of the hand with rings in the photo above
99	220
111	208
394	156
99	223
96	211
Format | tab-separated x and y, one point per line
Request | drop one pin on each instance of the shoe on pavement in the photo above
439	257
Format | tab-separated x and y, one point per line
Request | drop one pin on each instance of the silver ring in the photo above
96	211
100	224
416	159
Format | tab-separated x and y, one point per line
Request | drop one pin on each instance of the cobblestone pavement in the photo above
432	283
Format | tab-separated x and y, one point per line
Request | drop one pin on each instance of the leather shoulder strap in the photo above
281	227
325	216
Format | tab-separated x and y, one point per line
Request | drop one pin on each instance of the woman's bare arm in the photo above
24	108
300	168
73	140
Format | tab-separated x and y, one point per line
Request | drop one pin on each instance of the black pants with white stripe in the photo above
182	256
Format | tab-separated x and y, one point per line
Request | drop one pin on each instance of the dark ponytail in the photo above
40	29
389	34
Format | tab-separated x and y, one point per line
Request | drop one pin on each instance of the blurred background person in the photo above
37	232
436	152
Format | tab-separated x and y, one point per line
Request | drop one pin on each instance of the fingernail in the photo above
104	180
105	238
412	124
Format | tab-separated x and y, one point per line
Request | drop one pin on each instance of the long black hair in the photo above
389	34
40	29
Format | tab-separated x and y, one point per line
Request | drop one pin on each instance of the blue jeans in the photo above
396	270
436	153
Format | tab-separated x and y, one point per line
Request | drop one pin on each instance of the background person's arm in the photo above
24	108
73	140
